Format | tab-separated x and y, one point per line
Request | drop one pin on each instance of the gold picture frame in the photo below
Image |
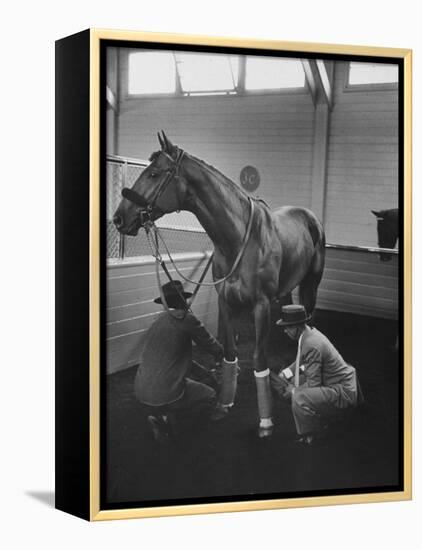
81	475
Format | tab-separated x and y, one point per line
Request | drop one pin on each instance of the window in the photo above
152	73
207	73
273	73
188	73
372	73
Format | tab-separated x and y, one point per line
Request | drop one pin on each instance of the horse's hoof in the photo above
265	432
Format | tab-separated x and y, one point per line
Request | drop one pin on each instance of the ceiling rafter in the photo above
319	77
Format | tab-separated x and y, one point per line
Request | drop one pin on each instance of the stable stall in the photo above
326	138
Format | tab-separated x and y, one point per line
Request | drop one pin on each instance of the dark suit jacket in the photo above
166	357
324	366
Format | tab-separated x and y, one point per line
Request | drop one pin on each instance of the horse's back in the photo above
297	219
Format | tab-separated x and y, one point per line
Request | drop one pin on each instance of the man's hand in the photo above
289	391
217	372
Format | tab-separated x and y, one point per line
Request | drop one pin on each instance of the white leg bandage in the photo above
229	383
263	390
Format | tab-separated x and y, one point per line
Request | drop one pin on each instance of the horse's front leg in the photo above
226	333
262	316
230	367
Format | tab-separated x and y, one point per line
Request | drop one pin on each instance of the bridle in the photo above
147	207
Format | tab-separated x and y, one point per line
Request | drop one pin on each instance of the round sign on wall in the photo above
250	178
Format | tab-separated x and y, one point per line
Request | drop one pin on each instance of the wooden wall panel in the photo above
362	162
358	282
354	281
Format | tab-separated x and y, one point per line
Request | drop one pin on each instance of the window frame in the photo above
238	91
271	91
373	87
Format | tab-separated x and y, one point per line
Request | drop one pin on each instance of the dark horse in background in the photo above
388	230
285	249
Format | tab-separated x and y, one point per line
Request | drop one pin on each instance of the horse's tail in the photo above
317	233
308	288
316	230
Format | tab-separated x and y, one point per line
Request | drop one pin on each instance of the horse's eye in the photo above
153	175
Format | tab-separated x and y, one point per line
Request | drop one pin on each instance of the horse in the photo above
259	255
388	230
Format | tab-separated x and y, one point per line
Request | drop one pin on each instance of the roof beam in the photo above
319	81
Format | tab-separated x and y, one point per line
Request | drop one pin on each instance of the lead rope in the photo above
160	262
201	279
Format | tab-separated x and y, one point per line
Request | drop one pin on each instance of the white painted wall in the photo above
273	132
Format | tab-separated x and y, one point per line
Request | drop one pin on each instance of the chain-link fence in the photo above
181	231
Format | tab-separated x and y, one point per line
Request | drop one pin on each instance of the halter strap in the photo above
173	172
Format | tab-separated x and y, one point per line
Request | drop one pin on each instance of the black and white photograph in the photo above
253	299
146	144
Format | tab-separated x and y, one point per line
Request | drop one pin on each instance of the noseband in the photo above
146	208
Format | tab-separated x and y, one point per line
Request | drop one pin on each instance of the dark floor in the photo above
226	459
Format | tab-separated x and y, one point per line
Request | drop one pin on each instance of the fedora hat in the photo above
293	315
172	291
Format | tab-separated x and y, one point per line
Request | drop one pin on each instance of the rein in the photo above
156	253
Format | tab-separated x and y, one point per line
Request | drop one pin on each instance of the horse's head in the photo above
387	227
159	190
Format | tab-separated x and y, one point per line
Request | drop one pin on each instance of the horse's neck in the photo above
221	207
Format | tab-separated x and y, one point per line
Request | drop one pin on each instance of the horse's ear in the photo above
168	146
160	139
377	214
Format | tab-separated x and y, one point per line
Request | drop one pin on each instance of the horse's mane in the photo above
230	183
215	171
154	156
223	178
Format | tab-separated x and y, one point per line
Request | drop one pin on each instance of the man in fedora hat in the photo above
162	383
319	383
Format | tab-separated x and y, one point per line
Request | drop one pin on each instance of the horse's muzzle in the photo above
118	221
144	210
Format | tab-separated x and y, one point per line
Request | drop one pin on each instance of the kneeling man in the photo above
163	384
319	383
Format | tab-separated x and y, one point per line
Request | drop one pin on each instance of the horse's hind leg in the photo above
285	300
308	287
